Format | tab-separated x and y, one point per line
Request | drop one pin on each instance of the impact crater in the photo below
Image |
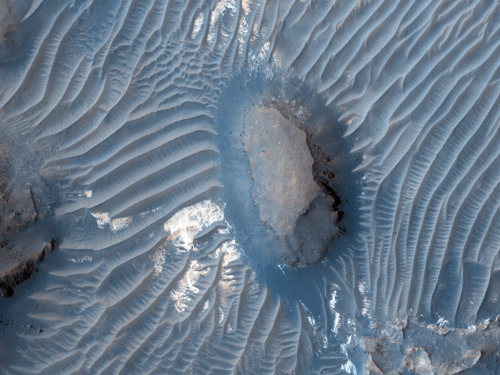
291	192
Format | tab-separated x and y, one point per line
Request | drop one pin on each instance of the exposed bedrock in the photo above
27	232
19	263
410	347
289	200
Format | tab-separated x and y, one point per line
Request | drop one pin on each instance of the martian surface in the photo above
249	187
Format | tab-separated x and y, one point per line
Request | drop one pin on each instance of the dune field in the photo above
249	187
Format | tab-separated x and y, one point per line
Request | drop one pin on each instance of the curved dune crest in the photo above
141	127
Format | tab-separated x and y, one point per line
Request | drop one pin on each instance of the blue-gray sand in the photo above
249	187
